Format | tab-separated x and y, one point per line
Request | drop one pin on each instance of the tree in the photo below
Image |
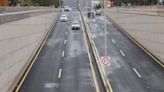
98	6
46	2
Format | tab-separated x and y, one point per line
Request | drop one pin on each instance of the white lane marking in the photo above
66	33
65	41
122	53
63	54
51	85
113	41
137	73
60	72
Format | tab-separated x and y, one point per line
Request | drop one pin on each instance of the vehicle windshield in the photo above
63	16
76	22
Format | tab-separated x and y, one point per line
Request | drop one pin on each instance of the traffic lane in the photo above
149	71
71	3
138	60
76	71
121	76
43	75
141	63
75	3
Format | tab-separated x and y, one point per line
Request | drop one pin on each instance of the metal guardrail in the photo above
99	77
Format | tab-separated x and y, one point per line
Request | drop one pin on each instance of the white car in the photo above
63	18
75	25
98	12
67	8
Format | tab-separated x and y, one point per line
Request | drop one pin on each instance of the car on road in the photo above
75	25
98	13
63	18
67	8
90	14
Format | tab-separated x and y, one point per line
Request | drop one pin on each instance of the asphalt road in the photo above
130	70
75	3
63	64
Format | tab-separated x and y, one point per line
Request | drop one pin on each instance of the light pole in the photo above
105	30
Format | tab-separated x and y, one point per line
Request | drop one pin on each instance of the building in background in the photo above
135	2
4	2
110	3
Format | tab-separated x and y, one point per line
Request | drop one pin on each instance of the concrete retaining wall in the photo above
8	17
19	41
20	8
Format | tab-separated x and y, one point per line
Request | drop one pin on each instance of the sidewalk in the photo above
147	30
18	42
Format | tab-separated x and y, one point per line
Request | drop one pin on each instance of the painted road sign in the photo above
106	60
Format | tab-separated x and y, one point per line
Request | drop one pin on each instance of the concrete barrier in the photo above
8	17
19	41
20	8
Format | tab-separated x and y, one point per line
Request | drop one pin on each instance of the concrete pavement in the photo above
146	29
18	42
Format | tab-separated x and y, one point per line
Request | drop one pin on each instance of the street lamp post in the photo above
105	26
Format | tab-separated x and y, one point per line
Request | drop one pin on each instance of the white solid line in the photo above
60	71
122	53
137	73
65	41
66	33
113	41
63	54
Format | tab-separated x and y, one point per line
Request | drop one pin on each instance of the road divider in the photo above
101	77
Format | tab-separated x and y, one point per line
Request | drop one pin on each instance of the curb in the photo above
149	53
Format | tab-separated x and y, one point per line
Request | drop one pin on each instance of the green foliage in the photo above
14	2
46	2
98	6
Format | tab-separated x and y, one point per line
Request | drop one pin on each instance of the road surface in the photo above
131	70
63	64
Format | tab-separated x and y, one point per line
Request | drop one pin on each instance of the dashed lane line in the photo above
65	41
137	72
113	41
60	72
63	53
122	53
